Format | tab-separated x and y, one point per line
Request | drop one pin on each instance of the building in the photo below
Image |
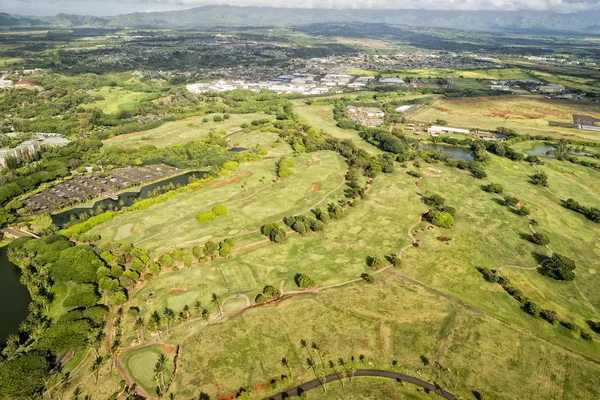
5	83
403	109
437	130
391	81
551	88
27	148
23	83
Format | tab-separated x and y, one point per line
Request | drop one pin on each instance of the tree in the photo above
165	261
299	227
169	315
304	281
118	298
95	368
510	201
531	308
559	267
224	249
539	178
81	295
540	238
435	201
210	248
206	216
155	322
219	210
442	219
23	376
376	262
217	302
493	188
367	277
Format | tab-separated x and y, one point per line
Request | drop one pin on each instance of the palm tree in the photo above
245	187
159	372
138	325
95	368
217	302
113	352
205	314
311	364
197	306
76	393
96	340
186	311
169	314
332	366
286	363
315	348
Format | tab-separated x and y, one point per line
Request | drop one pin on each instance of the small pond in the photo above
542	150
237	149
457	152
128	198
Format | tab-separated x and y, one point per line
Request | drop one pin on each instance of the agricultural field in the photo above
184	131
321	117
526	115
115	99
496	74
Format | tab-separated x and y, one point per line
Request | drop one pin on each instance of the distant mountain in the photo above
584	22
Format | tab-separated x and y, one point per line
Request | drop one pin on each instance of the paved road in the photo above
364	372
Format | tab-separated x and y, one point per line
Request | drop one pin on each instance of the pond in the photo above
542	151
14	297
128	198
237	149
457	152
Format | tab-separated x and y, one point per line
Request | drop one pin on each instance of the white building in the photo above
437	130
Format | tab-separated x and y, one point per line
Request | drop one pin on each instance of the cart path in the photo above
364	372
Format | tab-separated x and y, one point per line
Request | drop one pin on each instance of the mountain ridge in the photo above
207	16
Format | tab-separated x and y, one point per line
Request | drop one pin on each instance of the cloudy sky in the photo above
112	7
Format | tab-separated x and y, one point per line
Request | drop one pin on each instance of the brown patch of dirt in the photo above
430	227
442	109
257	386
176	290
315	187
314	160
432	175
443	239
229	396
167	349
533	209
232	180
520	204
137	230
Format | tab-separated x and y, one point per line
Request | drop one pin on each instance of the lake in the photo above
457	152
14	297
542	151
128	198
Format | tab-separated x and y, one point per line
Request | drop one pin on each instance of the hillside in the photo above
588	21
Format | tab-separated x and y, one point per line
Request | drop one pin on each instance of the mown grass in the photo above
526	115
184	131
115	99
140	366
321	117
173	225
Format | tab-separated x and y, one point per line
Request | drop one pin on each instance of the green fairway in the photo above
321	117
140	366
186	130
526	115
115	99
317	177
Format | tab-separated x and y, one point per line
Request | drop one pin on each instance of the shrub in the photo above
559	267
206	216
490	276
540	178
230	165
367	277
165	261
493	188
261	298
219	210
585	335
510	201
568	325
376	262
299	227
415	174
540	238
522	211
549	316
395	260
442	219
531	308
271	291
304	281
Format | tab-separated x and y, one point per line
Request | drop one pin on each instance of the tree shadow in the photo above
539	257
595	326
526	236
369	260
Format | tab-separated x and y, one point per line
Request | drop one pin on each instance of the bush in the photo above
549	316
585	335
559	267
539	178
415	174
367	277
376	262
531	308
510	201
493	188
304	281
395	260
206	216
522	211
261	298
540	238
442	219
230	165
488	275
219	210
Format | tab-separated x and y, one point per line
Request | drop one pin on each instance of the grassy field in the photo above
184	131
487	73
523	114
321	117
173	224
436	305
140	366
115	99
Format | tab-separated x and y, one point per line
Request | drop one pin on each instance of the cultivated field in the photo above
183	131
115	99
526	115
